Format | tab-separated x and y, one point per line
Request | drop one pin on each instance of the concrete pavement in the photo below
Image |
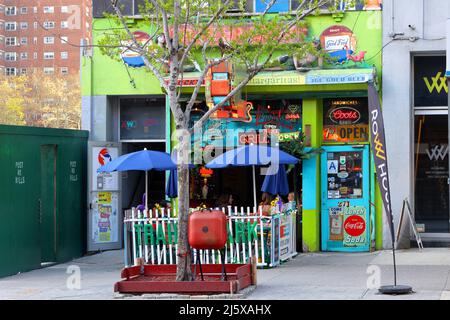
308	276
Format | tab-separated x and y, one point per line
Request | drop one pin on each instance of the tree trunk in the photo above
184	272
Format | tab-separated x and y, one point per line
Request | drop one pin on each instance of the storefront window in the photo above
344	175
345	120
431	172
142	119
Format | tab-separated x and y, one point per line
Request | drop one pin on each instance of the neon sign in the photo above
345	114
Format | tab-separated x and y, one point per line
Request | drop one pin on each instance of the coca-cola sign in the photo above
354	225
345	115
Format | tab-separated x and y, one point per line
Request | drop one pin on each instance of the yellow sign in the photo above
437	83
278	79
104	197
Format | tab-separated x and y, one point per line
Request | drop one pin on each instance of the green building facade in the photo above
327	101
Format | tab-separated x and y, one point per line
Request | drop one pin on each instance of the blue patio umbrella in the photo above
252	155
172	184
143	160
276	183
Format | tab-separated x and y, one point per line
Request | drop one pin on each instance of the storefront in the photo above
324	99
431	192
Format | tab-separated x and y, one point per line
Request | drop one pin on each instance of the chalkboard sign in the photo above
142	119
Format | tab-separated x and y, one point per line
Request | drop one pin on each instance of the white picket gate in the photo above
152	235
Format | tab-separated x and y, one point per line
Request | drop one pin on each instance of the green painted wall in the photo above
102	75
312	118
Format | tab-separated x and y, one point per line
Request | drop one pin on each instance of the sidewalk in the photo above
308	276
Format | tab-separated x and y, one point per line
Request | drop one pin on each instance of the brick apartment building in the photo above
43	35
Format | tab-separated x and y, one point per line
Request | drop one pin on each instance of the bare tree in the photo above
189	31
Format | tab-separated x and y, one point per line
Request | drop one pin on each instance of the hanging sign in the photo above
132	57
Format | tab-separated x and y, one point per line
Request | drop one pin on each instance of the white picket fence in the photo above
151	235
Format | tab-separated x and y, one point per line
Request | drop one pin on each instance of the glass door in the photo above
345	198
431	193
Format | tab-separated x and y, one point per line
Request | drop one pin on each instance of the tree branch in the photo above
133	39
259	67
202	31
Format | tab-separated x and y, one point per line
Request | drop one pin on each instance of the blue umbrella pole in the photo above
146	190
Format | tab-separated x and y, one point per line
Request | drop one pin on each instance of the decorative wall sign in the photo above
354	226
339	42
131	57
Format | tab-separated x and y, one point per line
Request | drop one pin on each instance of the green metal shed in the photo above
42	196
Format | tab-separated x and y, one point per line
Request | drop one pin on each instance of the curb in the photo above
172	296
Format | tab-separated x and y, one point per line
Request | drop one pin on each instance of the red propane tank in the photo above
207	229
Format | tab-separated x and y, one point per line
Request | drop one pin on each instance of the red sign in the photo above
354	225
186	82
345	115
205	172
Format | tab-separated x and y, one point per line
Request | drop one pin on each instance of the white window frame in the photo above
10	56
23	10
49	40
64	70
24	56
64	9
24	25
24	42
49	9
11	26
49	55
64	25
49	24
64	39
64	55
10	43
10	69
11	11
49	70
